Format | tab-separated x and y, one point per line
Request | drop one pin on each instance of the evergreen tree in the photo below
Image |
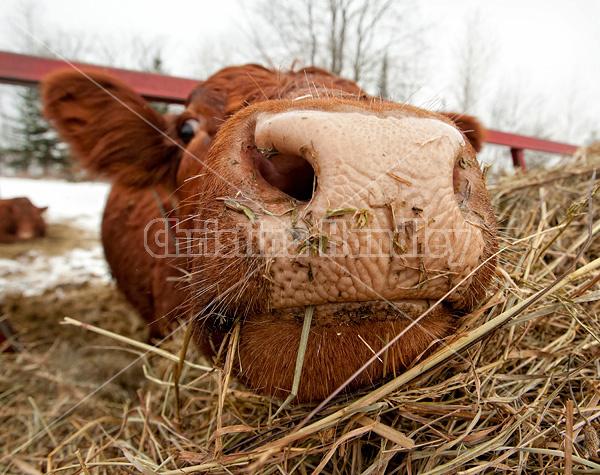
157	67
33	142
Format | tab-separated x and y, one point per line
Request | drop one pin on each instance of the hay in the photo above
517	391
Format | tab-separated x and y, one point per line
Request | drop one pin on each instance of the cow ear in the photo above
470	126
110	128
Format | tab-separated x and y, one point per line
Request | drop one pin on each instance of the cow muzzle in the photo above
369	216
374	211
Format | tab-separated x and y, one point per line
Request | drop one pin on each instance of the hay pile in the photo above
517	391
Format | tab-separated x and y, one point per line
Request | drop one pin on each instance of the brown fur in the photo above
471	127
20	219
152	175
269	346
111	128
146	281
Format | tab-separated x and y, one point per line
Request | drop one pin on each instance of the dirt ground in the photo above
78	355
62	372
60	238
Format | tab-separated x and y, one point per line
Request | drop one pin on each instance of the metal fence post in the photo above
517	158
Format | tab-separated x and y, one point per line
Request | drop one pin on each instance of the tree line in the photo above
380	44
370	41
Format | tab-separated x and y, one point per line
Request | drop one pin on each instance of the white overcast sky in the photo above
548	47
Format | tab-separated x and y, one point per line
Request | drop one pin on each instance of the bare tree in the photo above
348	37
515	109
130	52
215	52
31	35
474	58
382	82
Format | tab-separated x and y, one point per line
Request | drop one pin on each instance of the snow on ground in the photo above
34	274
81	203
76	204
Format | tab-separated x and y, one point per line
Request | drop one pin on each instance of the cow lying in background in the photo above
274	192
20	219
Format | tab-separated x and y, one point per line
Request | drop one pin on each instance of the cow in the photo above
20	220
276	194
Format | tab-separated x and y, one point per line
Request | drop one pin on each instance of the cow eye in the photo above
188	130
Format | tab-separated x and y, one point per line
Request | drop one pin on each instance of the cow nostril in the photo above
291	174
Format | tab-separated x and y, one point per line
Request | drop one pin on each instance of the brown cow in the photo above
20	219
285	191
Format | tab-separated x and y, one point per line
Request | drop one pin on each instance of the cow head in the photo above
20	220
298	191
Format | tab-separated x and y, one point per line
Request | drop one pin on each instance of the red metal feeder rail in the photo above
27	70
